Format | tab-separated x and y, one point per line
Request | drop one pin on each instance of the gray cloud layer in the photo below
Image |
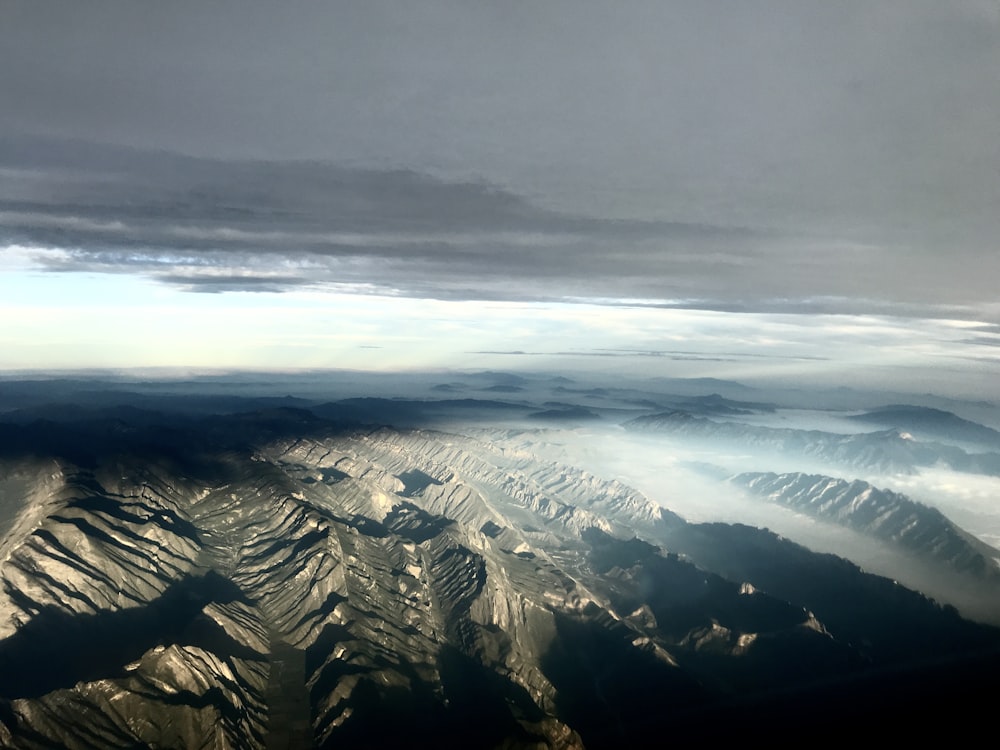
216	226
219	226
732	155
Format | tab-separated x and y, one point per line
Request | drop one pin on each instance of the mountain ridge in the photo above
439	589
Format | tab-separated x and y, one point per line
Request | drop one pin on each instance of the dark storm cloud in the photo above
733	155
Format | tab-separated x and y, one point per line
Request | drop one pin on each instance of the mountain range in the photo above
278	578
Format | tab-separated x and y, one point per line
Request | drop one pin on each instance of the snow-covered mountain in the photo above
274	577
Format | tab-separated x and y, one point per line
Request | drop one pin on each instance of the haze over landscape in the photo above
466	374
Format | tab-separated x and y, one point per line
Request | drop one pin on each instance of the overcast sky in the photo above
751	157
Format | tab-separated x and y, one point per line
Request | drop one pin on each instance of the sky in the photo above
692	186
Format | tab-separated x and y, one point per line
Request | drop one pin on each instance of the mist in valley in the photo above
586	421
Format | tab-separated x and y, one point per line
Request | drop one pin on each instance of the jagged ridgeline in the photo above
274	580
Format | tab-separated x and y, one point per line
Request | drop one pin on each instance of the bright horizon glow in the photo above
75	321
782	193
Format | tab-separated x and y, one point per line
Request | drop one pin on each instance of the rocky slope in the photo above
273	578
886	515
